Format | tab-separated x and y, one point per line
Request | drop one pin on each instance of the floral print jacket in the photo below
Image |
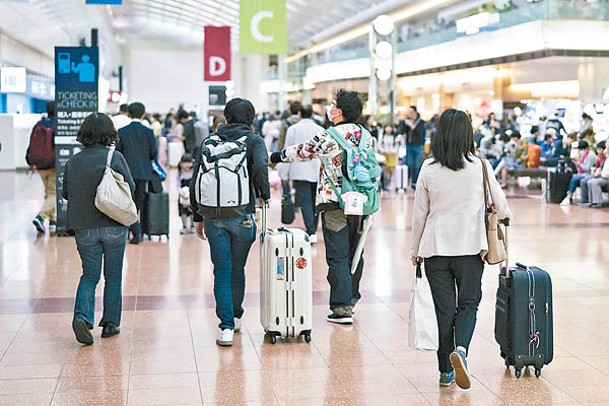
324	147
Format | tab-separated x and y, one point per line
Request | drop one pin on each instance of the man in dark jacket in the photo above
138	146
231	231
414	134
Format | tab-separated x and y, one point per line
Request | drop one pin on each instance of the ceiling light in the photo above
383	25
383	50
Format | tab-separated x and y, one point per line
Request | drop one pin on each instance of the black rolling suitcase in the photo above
155	216
523	317
557	182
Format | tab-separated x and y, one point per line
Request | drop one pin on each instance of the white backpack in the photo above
222	179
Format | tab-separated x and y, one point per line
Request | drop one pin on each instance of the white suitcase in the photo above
175	152
286	282
400	177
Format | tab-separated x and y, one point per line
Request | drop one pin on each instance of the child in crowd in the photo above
183	183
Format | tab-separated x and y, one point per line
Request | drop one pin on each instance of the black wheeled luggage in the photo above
155	216
523	318
557	182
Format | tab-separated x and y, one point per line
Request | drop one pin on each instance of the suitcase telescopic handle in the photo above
265	206
506	269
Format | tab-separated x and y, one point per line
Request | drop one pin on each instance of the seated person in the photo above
596	172
547	145
597	184
514	158
585	163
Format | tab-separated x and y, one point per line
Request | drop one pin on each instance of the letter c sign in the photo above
255	26
262	27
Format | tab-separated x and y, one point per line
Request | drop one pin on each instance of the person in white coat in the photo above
449	235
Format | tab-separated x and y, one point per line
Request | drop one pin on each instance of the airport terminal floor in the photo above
166	352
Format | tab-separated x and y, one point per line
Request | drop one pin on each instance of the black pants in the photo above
141	188
341	236
305	199
455	310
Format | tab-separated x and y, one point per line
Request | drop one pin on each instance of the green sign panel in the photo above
262	27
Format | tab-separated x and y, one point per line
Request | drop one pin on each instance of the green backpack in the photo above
363	171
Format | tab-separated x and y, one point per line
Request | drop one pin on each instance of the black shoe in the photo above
110	330
335	318
39	224
134	240
82	331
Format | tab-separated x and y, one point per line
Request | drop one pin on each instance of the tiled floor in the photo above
166	352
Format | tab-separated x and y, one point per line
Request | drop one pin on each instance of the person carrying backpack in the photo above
230	172
40	157
347	194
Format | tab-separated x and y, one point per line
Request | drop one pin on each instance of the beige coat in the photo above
448	214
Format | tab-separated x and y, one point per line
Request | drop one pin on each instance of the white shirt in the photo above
296	134
120	121
448	214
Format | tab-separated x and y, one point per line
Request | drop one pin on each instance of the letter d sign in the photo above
216	54
262	27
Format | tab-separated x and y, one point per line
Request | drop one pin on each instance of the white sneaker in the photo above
566	201
225	337
239	322
313	239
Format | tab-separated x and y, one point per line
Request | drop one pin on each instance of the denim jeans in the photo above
583	187
305	199
230	241
97	245
455	311
414	159
341	236
574	182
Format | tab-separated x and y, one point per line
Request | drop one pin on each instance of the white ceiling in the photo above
45	23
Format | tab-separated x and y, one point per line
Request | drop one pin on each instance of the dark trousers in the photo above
141	187
341	236
305	199
455	310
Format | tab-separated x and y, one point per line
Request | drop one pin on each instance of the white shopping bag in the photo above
423	329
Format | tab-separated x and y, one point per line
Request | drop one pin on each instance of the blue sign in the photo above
76	97
104	2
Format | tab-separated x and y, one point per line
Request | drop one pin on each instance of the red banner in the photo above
217	54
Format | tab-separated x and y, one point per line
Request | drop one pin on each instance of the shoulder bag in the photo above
113	196
494	235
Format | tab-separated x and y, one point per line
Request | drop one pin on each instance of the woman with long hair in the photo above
449	235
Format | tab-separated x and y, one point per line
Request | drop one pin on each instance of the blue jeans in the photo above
583	187
414	159
455	311
230	241
305	199
341	236
574	182
95	245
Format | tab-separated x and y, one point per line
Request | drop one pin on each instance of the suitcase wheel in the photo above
518	372
307	337
273	338
537	372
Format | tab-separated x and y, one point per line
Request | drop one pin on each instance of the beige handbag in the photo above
494	234
113	197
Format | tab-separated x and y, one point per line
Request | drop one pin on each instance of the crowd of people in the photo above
315	165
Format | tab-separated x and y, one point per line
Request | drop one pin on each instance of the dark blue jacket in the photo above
138	146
